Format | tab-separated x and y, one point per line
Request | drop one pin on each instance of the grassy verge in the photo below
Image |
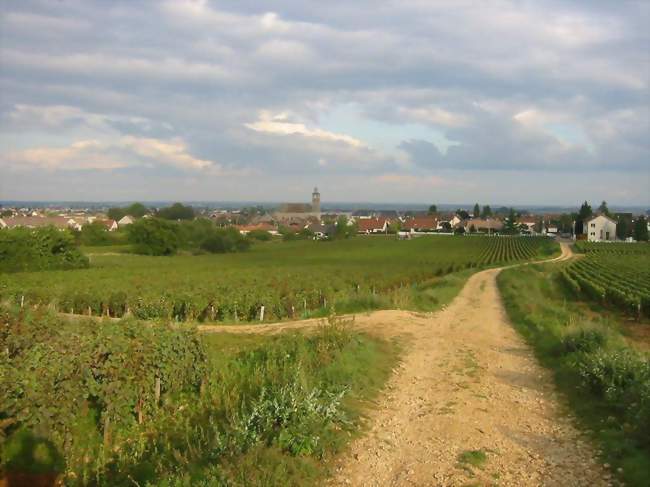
605	380
269	410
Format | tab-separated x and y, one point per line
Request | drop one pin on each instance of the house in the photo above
372	225
60	222
322	232
300	210
600	228
421	224
550	230
125	220
264	227
486	225
111	225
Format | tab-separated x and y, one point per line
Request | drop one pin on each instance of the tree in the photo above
510	226
137	210
584	214
602	209
641	229
539	225
462	214
177	211
585	211
6	213
477	211
446	226
154	237
94	233
116	213
433	209
624	225
472	228
342	229
486	212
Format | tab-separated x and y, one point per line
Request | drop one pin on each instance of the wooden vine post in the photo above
157	390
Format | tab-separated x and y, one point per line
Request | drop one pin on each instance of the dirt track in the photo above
467	382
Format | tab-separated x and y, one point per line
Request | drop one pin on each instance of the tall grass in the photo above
606	382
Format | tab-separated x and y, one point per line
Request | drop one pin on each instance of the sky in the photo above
446	101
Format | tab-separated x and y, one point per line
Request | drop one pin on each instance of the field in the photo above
289	279
616	274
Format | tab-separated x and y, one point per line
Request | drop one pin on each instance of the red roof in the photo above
371	224
421	223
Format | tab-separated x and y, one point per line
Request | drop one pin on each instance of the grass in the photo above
606	382
474	458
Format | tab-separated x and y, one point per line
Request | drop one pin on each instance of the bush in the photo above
26	249
222	240
622	379
583	340
261	235
152	236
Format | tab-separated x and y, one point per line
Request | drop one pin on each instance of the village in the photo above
309	219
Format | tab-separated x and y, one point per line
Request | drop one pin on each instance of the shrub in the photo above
152	236
583	340
261	235
25	249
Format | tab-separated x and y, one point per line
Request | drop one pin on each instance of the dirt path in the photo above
467	382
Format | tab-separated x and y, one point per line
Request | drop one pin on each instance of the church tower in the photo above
315	201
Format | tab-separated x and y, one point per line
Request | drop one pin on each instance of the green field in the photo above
616	274
290	279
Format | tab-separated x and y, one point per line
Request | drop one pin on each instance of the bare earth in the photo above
467	382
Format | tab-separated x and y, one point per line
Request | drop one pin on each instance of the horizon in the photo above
181	100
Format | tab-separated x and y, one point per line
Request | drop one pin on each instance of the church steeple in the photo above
315	201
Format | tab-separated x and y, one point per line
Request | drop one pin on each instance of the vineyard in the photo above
614	274
275	280
130	404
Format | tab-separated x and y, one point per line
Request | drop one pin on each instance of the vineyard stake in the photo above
157	390
22	301
107	435
262	313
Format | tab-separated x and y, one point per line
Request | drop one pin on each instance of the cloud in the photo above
280	124
173	87
124	152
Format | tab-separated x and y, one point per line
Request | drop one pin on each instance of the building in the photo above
125	220
287	211
420	224
372	225
600	228
60	222
486	225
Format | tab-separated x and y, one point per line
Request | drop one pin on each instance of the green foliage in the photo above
116	213
25	249
152	236
290	279
486	212
603	210
261	235
137	210
26	453
433	209
177	211
342	230
94	234
222	240
641	229
231	409
477	211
